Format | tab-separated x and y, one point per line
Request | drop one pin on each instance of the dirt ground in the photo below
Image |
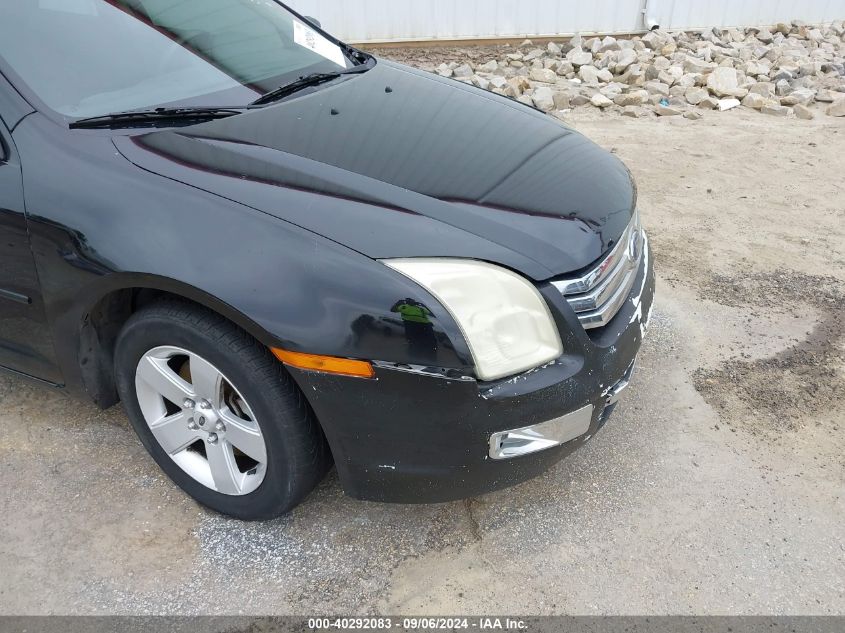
717	488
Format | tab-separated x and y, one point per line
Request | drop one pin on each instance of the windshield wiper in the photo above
306	81
154	116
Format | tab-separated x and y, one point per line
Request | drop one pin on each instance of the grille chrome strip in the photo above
598	274
597	296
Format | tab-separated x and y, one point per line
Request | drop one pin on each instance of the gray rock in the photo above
837	108
489	67
520	84
826	96
605	75
589	75
464	70
498	82
781	69
755	69
580	58
480	82
754	100
661	63
803	112
689	80
561	100
692	115
724	82
803	96
609	44
678	92
653	41
696	95
635	112
544	99
656	87
593	45
613	89
709	103
775	110
634	76
765	36
625	59
763	88
695	65
669	49
565	69
635	98
782	88
543	75
670	75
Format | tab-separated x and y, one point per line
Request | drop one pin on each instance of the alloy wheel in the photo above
201	420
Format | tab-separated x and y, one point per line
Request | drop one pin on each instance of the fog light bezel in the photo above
540	437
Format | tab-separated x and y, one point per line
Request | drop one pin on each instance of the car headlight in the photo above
503	317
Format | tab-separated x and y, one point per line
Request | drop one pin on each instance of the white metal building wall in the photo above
397	20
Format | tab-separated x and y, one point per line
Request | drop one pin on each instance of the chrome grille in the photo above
598	295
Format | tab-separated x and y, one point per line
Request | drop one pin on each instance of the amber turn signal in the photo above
326	364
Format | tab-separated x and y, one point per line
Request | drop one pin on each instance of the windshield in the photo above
87	58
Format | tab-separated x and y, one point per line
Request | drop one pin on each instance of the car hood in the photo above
401	163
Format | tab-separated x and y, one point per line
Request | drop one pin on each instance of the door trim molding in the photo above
15	296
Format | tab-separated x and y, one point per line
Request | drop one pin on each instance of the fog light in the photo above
530	439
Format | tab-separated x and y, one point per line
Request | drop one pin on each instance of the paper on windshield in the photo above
312	40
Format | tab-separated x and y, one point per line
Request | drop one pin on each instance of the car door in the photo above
25	342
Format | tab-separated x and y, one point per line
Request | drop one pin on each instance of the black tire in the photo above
297	454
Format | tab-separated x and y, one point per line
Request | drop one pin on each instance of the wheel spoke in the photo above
206	380
224	470
225	430
247	440
158	375
173	433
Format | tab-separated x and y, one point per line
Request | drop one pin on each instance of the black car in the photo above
280	252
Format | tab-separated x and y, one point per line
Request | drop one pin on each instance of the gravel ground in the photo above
716	489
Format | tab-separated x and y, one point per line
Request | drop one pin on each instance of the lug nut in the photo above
220	427
192	425
212	439
205	404
188	403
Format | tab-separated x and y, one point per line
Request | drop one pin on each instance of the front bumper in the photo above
413	437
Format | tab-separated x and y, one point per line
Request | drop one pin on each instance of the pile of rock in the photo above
782	71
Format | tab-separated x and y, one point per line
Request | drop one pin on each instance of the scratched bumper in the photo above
412	438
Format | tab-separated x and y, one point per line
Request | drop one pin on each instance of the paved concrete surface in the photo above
717	488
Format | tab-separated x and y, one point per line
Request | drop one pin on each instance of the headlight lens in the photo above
503	317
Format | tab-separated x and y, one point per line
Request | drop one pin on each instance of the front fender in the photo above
99	224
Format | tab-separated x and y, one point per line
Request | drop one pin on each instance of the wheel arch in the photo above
110	307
